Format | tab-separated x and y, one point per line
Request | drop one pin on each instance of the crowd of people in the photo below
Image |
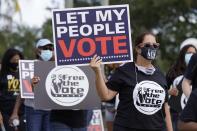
148	100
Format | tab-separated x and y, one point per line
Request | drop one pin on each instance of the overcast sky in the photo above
34	12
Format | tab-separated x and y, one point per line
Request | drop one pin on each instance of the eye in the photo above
155	46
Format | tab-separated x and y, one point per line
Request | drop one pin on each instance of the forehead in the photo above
149	38
191	50
15	58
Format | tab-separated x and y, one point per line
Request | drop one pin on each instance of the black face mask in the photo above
149	53
13	66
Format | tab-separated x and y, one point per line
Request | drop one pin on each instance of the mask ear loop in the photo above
136	75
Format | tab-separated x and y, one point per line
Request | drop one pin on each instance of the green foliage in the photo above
23	39
171	20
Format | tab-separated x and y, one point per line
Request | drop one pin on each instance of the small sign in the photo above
26	71
96	123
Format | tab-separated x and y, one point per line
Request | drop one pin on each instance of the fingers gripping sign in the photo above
95	63
35	80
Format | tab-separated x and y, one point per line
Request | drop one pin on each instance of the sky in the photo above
34	12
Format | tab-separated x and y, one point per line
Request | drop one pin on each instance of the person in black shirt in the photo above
174	78
189	75
142	90
9	87
188	118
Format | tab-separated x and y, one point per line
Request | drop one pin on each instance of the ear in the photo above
138	50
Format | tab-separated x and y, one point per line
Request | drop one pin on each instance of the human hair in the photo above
6	59
179	67
139	39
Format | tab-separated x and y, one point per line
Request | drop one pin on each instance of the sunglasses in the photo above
148	44
47	48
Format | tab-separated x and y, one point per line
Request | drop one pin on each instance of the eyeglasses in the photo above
47	48
148	44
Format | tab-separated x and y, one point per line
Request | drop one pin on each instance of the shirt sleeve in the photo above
115	81
192	63
190	111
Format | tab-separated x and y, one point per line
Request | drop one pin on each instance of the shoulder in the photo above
159	72
126	66
194	93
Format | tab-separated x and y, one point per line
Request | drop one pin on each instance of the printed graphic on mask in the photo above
67	86
149	53
13	83
183	101
148	97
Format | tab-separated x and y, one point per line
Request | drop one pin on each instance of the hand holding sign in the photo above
95	63
35	80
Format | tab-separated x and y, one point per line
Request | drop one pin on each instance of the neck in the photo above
141	61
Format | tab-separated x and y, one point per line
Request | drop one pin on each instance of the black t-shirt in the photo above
191	71
72	118
189	113
9	89
141	106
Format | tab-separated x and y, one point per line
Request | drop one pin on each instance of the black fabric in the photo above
72	118
175	101
189	113
191	71
124	81
121	128
9	89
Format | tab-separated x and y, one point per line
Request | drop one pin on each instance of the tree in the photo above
172	21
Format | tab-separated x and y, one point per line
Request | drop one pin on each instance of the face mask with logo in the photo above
13	66
188	57
46	55
149	53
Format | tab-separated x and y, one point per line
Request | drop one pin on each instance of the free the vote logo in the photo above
148	97
67	86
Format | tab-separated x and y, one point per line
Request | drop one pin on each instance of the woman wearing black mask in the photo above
9	85
141	87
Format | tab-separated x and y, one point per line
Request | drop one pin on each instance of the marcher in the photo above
37	120
189	76
9	88
174	79
188	118
141	87
62	120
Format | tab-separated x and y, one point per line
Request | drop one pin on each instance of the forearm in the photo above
103	91
187	126
186	87
168	118
17	105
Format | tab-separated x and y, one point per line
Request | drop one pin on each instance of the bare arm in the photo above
16	109
168	118
103	91
1	119
187	126
186	87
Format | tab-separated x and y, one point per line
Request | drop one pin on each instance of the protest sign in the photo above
96	123
65	87
26	71
80	33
